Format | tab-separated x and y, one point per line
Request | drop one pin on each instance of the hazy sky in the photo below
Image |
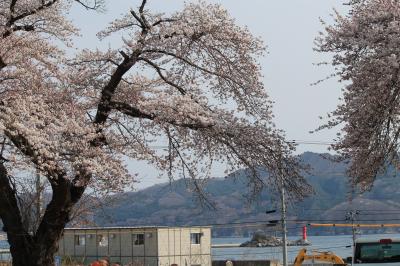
288	28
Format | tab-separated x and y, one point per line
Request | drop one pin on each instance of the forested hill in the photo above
174	204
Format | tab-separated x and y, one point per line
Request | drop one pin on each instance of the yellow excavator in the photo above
318	256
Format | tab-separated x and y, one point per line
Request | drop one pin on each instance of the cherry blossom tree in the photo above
366	48
188	79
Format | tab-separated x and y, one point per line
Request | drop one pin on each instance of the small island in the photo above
260	239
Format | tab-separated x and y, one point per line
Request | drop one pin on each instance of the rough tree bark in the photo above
37	249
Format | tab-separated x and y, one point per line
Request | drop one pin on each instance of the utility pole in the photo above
351	216
283	220
283	210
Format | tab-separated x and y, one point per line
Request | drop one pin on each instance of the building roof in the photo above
133	227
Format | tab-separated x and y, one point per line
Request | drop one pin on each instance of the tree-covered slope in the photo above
175	204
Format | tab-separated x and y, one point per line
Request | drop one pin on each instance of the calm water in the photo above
337	244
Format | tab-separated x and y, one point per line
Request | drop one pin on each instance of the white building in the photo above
147	246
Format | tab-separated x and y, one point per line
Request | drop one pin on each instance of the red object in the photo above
304	233
385	241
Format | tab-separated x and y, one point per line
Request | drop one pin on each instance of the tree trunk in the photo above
38	249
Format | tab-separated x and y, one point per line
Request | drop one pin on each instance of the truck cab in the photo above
377	252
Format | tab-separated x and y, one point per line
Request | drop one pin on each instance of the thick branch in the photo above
130	110
143	18
108	91
18	237
23	28
65	195
56	216
136	113
9	210
141	8
140	20
13	19
12	6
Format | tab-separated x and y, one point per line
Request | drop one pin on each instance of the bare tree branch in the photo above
96	4
190	63
199	191
162	21
161	75
139	19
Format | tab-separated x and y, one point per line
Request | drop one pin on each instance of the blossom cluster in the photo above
190	80
366	54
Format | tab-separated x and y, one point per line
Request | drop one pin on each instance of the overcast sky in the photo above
288	28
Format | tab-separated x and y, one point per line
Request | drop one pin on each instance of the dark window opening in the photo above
138	239
195	238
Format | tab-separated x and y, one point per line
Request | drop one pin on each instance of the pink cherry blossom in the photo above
190	80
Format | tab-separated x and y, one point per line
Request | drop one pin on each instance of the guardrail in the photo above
225	245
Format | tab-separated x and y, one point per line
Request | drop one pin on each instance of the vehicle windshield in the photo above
377	252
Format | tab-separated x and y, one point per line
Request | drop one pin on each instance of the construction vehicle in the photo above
324	256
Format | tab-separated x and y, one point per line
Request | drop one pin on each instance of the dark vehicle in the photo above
379	252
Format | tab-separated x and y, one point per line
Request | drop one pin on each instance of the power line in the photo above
361	210
293	141
225	254
262	223
304	220
272	252
312	142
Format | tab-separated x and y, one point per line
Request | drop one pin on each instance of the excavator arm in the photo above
318	256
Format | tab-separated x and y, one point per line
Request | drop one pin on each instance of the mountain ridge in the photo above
173	203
